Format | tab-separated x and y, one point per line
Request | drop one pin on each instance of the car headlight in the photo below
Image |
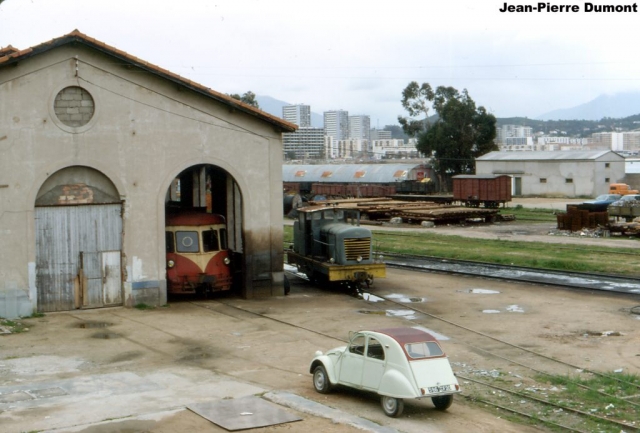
171	264
359	259
226	260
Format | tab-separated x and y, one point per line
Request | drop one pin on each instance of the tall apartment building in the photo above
299	114
506	132
359	127
336	124
303	144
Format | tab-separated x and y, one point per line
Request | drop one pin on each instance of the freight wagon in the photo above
487	190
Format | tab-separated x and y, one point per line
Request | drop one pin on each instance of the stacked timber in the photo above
377	209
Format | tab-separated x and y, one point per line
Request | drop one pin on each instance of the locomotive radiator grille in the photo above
354	247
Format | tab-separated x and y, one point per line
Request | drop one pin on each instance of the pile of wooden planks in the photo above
384	209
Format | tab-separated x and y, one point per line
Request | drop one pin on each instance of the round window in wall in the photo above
74	106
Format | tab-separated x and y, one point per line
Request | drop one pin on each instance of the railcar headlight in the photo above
171	264
226	260
332	260
359	259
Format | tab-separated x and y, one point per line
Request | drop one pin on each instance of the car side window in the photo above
357	345
375	349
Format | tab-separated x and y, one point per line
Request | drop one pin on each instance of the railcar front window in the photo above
187	242
223	239
169	242
426	349
210	240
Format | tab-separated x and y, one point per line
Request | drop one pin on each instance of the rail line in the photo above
554	414
576	280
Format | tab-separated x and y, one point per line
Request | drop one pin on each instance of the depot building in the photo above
95	146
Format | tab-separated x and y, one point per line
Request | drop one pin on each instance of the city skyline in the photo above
364	55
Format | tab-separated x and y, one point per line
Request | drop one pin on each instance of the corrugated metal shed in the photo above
349	173
547	156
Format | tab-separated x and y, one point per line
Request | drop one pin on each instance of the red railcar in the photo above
198	259
488	190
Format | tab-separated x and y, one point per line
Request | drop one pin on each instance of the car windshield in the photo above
425	349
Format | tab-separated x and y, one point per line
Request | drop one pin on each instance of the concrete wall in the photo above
145	130
589	178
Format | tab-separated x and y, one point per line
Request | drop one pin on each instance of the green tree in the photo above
248	98
454	138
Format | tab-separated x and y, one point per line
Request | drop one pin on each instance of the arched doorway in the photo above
78	228
204	254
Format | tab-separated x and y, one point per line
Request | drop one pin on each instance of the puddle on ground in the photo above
510	309
371	298
90	325
106	335
482	291
406	314
195	357
406	299
371	312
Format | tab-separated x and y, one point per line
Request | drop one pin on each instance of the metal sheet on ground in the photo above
243	413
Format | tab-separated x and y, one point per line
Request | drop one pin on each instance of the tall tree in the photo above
460	132
248	98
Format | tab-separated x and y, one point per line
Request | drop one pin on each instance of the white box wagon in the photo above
396	363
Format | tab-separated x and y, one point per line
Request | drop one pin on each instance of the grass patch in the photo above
531	214
601	400
143	306
14	326
540	255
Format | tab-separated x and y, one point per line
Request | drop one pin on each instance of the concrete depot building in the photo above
561	174
93	145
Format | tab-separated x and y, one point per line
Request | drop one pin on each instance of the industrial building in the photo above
562	174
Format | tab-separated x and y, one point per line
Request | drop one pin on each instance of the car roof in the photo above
407	335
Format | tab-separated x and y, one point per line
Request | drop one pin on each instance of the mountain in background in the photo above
615	106
274	106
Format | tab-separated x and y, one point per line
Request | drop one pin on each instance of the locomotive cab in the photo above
330	245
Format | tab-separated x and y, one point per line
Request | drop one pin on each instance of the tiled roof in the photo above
10	55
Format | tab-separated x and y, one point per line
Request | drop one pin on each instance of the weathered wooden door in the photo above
100	279
78	250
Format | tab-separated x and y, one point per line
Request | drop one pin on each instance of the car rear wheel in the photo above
442	402
392	406
321	380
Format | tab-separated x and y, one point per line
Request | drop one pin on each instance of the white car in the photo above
396	363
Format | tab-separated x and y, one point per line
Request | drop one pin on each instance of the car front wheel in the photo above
321	380
392	406
442	402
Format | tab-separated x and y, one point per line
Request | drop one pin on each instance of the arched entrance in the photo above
203	232
78	230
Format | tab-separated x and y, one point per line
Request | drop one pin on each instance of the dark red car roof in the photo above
407	335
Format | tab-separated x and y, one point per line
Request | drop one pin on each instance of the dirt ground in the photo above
129	370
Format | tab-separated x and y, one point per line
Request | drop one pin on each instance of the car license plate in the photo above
439	388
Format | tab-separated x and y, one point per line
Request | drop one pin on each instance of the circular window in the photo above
74	106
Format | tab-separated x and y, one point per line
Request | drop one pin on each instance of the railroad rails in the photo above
576	280
522	381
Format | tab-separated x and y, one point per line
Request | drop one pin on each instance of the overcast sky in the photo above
358	55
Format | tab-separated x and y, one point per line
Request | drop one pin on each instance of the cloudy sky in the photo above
358	55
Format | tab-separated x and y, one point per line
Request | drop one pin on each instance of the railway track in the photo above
525	383
576	280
